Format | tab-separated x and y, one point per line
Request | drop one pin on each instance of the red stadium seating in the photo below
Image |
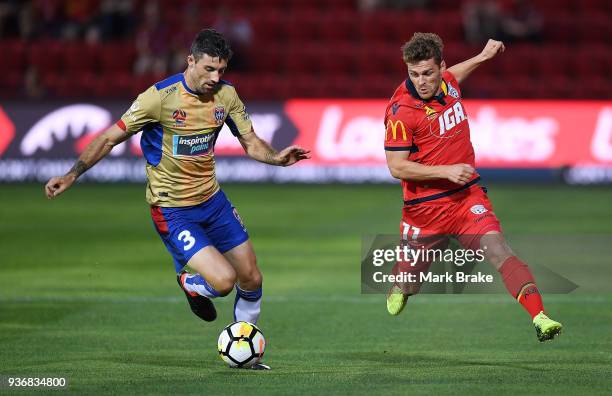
12	81
80	57
45	56
13	56
312	48
117	57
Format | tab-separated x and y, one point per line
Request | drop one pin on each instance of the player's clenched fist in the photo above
58	185
492	48
459	173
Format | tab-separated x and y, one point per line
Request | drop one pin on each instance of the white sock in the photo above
247	305
195	283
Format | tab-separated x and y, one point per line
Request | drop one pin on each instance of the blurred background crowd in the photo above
302	48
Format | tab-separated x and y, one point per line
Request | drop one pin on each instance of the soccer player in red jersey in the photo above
428	147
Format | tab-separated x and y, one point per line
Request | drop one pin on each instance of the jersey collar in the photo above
186	86
439	98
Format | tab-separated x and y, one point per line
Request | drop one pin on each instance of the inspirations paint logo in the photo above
192	145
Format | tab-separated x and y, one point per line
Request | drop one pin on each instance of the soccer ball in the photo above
241	344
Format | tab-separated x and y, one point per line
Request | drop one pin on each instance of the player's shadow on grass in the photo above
423	360
164	360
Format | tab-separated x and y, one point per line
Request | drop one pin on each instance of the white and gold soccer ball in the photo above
241	344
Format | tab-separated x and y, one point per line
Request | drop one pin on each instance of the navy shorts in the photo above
188	229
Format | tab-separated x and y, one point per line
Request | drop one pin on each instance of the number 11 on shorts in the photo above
406	229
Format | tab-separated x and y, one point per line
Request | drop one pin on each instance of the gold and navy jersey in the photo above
179	130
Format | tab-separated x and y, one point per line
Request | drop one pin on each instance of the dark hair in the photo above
423	46
211	43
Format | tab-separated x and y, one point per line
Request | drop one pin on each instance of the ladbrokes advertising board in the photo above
345	136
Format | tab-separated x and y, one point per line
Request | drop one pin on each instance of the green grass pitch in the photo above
88	291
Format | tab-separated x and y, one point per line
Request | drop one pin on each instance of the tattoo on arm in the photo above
79	168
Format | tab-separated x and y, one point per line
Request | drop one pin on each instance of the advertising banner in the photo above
39	140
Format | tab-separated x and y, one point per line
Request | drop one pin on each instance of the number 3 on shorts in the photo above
185	236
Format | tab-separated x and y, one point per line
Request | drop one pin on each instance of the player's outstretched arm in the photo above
261	151
403	169
94	152
463	69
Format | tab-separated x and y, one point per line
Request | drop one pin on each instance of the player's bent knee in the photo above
225	290
498	259
223	279
254	275
225	285
251	279
496	249
256	280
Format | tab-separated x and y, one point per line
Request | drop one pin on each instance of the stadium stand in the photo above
294	48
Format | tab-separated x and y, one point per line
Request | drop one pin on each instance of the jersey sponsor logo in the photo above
237	216
394	108
451	118
529	290
219	113
179	117
133	108
478	209
430	113
392	126
245	114
192	145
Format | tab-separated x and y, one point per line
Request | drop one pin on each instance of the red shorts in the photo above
466	215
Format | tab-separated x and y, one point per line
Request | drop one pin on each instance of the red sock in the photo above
531	299
521	285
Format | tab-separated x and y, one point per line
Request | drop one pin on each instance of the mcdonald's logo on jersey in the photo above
393	127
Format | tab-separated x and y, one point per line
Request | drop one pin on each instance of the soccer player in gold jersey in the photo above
180	119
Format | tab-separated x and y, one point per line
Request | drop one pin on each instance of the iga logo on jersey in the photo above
451	118
478	209
219	115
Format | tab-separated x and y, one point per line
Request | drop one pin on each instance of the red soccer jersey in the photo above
435	132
